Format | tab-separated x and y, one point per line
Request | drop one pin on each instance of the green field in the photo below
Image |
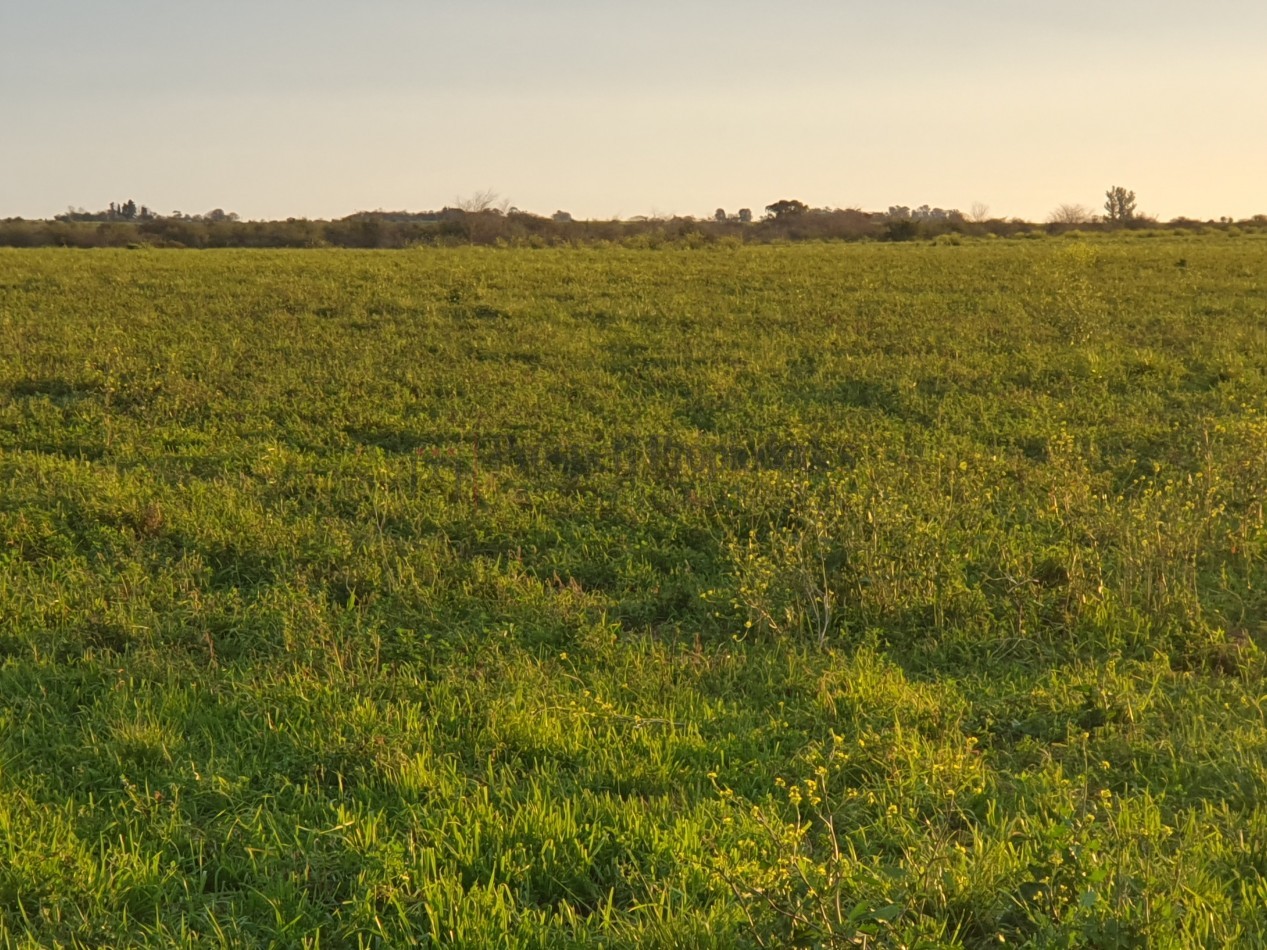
874	595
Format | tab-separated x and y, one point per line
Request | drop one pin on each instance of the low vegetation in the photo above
828	595
478	222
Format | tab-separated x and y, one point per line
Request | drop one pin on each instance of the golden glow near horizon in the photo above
278	108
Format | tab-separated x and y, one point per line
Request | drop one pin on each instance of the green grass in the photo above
774	596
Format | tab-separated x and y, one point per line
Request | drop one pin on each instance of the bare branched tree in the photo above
1070	214
485	200
979	213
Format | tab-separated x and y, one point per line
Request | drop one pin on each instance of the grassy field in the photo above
818	595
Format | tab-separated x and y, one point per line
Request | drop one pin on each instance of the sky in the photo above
608	108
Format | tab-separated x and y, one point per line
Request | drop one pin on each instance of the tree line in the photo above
481	220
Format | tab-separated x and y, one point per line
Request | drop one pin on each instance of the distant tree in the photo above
979	213
1070	214
1119	205
786	208
561	217
925	213
486	200
719	214
745	216
128	210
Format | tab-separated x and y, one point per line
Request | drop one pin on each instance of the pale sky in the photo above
319	108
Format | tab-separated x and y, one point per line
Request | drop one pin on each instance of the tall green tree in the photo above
1119	206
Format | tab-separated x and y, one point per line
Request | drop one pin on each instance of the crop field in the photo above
816	595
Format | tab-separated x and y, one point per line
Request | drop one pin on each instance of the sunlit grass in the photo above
635	598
